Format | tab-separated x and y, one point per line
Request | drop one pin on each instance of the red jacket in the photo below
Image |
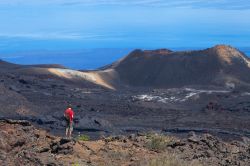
69	113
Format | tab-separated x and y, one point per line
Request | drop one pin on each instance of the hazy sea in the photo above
78	59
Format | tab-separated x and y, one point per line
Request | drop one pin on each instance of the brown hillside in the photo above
218	65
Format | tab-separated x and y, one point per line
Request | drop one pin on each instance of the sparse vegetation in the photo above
75	164
118	155
158	142
83	138
169	160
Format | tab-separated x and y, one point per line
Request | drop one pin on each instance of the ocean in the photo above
84	59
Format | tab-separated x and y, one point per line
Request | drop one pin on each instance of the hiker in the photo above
69	115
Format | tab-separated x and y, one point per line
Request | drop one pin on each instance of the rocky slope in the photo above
217	66
23	144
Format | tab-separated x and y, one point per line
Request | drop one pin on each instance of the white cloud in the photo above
222	4
62	36
42	36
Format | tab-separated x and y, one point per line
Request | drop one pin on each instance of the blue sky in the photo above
76	24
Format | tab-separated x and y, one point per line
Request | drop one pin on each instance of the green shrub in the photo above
83	138
75	164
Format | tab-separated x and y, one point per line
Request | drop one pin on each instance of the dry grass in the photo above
168	160
116	157
158	142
